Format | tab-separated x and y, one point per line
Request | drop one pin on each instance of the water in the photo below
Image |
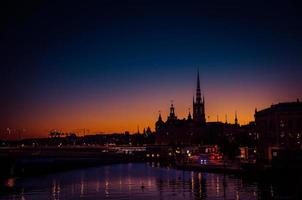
134	181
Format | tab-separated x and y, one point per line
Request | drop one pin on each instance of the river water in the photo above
135	181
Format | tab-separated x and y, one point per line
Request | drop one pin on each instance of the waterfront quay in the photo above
24	161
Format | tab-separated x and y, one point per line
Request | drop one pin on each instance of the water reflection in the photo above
136	181
55	190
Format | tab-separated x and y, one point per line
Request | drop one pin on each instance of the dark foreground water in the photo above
135	181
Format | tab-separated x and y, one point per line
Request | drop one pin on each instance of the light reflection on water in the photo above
134	181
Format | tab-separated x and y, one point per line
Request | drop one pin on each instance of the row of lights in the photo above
152	155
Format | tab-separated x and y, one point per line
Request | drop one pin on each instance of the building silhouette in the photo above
196	130
182	131
199	105
280	129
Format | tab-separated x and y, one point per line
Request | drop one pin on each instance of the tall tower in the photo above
159	125
172	115
236	119
198	105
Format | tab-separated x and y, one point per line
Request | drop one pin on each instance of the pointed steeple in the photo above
159	124
189	115
198	93
172	109
198	82
172	112
159	117
236	119
198	104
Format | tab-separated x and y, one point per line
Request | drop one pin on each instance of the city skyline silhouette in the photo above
110	67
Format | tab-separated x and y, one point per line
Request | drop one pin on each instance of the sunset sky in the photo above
110	66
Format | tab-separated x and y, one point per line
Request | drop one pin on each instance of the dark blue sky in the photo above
62	52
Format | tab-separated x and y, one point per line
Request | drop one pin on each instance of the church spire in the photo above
159	116
189	115
172	109
198	93
198	104
198	82
236	119
172	112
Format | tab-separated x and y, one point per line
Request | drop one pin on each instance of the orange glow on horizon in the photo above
117	115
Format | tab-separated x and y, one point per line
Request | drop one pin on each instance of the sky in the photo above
111	66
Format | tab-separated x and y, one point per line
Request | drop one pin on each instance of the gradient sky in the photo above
110	66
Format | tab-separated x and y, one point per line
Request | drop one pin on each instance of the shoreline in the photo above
25	162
